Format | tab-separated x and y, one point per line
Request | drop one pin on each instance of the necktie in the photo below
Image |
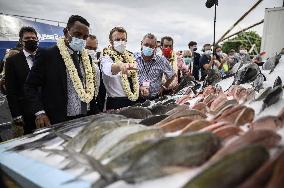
77	60
32	57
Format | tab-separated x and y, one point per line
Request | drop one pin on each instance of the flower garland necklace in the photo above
87	94
129	58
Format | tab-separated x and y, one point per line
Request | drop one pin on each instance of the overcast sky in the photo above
184	20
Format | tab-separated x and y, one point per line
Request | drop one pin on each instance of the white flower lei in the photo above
87	94
129	58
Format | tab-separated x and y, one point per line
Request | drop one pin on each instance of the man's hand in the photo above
144	91
42	121
162	90
19	127
125	67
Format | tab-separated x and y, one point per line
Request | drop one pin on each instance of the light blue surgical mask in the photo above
77	44
147	51
187	60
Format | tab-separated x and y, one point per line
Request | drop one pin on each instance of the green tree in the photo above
246	39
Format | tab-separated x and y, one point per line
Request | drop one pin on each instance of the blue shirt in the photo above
153	71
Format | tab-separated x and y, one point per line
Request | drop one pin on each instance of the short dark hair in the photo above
93	37
166	38
72	19
118	29
150	36
192	43
216	47
26	29
242	47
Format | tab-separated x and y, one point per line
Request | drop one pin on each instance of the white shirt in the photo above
29	59
112	82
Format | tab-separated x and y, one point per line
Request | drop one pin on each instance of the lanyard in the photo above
144	66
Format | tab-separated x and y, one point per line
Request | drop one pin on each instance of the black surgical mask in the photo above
194	49
31	45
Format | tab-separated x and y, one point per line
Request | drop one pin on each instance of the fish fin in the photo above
262	108
105	172
62	136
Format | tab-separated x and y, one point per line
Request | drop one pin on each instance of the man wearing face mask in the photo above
119	71
192	45
206	62
244	56
17	69
185	64
151	68
92	47
66	77
167	46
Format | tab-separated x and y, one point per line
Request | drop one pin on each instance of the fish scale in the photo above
112	138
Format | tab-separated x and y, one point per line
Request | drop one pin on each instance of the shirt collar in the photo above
27	54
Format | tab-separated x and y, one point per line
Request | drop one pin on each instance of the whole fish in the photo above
193	114
176	124
277	82
276	62
153	120
187	150
248	73
97	148
159	109
266	138
263	94
232	170
269	122
258	82
131	141
135	112
263	174
273	97
94	132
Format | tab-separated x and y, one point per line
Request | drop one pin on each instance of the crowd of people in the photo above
72	79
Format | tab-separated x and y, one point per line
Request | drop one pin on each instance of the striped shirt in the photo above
153	72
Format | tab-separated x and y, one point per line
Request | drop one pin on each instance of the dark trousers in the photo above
118	102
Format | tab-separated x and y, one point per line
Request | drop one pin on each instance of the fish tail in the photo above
262	108
62	136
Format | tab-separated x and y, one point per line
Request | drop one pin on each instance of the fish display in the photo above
219	133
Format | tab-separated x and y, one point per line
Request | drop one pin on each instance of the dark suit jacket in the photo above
196	66
16	72
49	74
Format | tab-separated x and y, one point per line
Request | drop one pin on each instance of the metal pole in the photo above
239	20
215	16
256	24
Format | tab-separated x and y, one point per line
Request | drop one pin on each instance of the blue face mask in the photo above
187	60
147	51
77	44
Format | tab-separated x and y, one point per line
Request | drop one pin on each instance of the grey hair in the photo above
150	36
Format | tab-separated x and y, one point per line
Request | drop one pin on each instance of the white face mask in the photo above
243	52
92	53
119	46
208	52
77	44
219	53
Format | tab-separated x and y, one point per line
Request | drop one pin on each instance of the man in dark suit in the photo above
55	72
92	46
17	69
196	56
